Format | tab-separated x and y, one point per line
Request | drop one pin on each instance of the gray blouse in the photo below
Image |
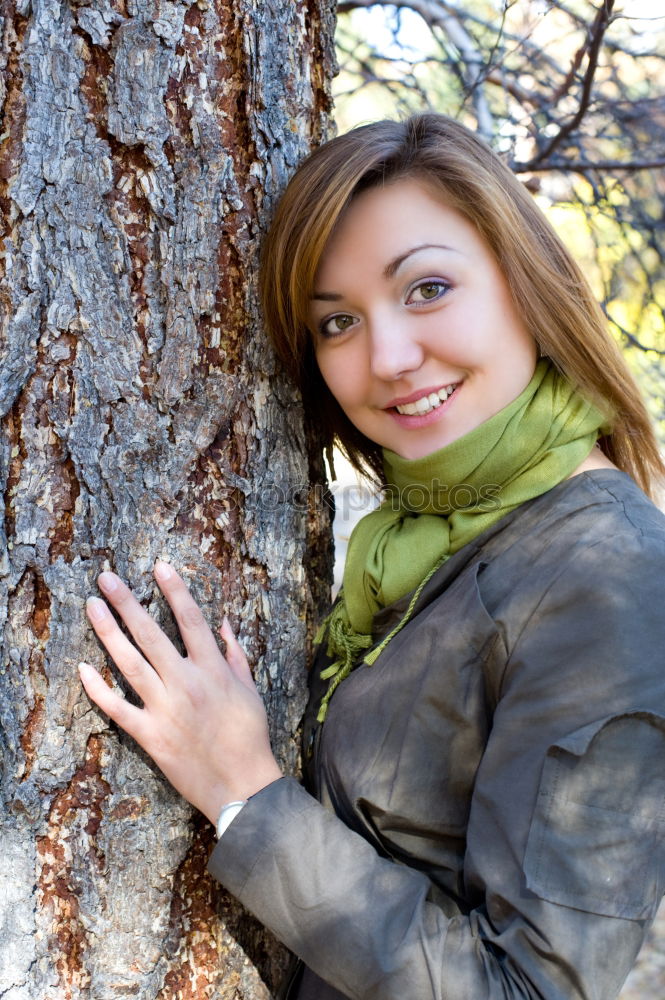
486	809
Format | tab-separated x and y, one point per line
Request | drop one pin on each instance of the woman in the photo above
486	733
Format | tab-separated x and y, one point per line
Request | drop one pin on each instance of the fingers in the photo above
149	637
140	674
235	656
129	717
196	634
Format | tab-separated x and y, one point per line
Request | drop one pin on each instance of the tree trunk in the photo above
142	148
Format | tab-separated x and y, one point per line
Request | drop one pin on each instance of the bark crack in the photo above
75	815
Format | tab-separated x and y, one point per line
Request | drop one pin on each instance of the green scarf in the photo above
437	504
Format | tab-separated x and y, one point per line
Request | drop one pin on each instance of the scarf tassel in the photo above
343	640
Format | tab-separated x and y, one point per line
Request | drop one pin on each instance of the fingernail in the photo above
163	570
85	670
108	582
96	609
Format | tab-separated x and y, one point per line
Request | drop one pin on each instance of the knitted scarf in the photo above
436	504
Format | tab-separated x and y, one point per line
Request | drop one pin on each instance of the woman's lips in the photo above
418	394
415	420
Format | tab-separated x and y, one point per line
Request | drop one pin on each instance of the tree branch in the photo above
582	167
600	25
436	15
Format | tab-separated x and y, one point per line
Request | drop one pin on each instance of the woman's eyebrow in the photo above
389	270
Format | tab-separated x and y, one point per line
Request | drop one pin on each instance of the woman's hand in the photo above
203	721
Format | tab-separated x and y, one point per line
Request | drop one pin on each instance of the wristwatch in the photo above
228	814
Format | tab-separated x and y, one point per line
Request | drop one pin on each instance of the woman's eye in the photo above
428	291
334	325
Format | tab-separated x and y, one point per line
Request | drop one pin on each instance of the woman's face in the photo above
415	331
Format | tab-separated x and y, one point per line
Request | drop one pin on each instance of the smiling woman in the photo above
485	739
413	319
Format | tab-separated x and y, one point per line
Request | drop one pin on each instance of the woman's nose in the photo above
394	350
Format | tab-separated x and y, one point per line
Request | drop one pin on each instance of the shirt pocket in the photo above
598	829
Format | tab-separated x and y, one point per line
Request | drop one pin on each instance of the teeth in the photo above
427	403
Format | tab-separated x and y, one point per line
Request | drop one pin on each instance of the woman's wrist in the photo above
240	791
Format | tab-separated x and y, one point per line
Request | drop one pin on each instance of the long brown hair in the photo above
547	286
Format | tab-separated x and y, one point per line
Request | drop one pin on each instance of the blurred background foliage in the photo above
572	95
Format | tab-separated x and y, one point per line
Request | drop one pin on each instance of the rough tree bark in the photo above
142	145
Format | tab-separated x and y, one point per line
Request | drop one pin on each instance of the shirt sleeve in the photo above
564	861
